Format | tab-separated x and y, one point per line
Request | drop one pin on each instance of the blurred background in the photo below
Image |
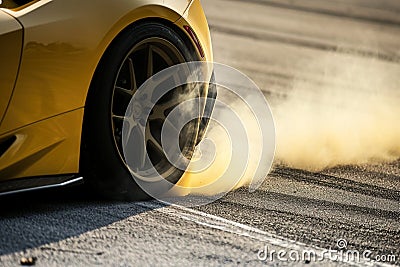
329	69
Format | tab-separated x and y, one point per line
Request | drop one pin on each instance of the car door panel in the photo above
11	35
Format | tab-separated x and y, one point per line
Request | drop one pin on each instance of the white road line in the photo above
222	224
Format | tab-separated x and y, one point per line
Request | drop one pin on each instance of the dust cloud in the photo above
345	111
229	155
341	109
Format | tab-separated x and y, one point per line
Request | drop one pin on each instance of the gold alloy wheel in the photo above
144	60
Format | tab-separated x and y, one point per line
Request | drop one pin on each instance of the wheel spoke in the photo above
125	123
150	63
135	146
160	111
120	118
124	91
157	113
132	76
153	140
128	124
141	147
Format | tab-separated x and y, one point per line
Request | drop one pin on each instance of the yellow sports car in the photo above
68	69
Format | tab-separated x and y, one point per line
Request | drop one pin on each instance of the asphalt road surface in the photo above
293	211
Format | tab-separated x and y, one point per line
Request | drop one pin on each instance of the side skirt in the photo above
38	183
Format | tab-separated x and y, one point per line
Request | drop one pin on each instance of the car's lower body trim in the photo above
37	183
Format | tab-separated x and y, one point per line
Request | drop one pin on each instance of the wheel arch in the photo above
162	20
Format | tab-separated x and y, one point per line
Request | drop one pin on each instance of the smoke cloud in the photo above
346	112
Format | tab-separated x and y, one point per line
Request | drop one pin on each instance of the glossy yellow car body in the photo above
49	51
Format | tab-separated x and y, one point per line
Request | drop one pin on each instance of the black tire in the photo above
102	166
